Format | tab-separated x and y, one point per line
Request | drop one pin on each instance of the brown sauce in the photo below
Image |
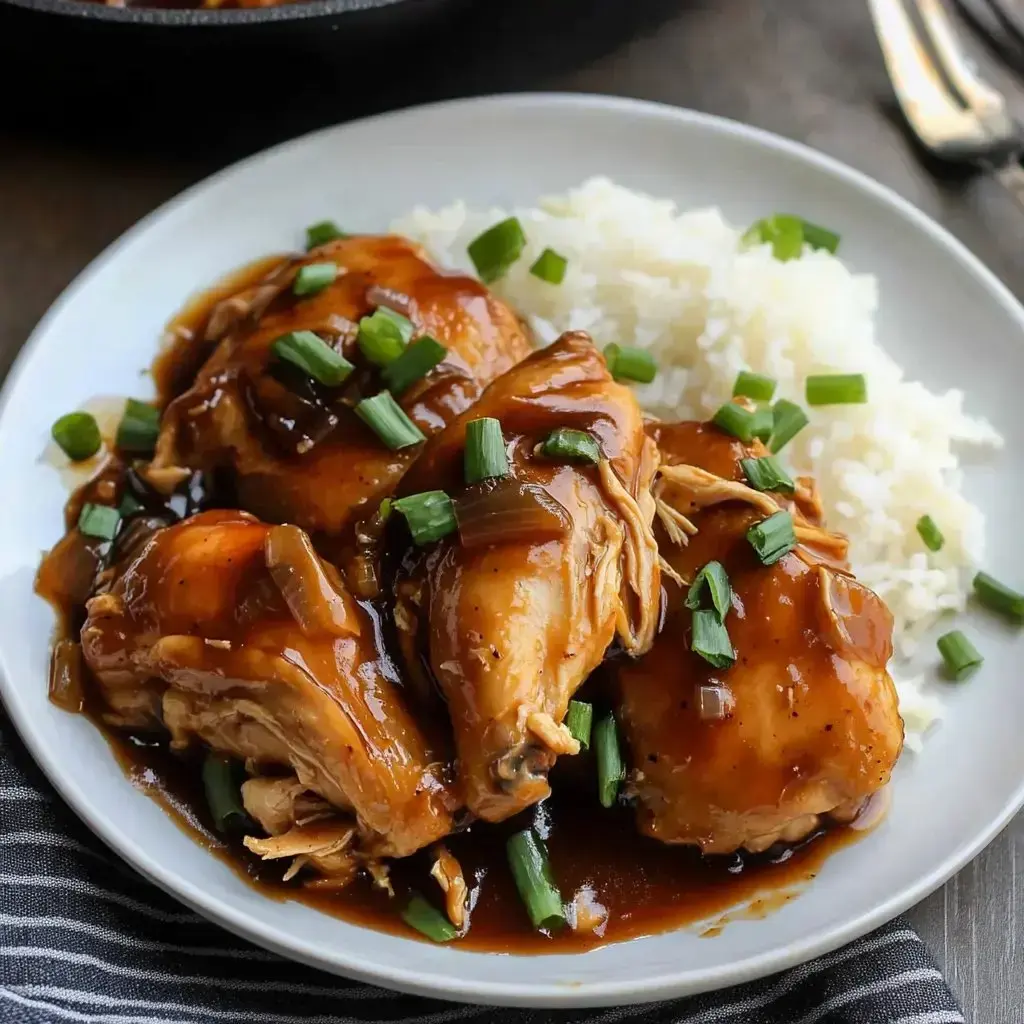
645	886
184	348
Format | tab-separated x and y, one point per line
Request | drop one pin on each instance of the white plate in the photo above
943	316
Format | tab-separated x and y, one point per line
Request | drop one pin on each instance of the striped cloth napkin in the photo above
84	938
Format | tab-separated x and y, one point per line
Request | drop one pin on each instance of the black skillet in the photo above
315	15
188	79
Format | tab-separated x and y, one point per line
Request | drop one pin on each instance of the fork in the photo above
995	18
954	113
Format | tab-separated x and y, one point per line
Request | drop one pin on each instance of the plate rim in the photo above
411	980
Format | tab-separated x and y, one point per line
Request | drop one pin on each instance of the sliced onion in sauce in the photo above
68	572
362	571
362	576
377	295
715	703
251	303
67	676
312	596
503	510
338	330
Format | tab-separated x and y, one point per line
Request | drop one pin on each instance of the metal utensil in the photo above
954	113
1006	15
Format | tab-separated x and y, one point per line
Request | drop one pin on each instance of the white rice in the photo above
640	272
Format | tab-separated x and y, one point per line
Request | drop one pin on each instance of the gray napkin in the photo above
84	938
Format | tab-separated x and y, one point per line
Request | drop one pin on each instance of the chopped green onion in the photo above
714	578
428	920
223	793
386	418
550	267
430	515
485	455
765	474
78	435
763	423
930	533
628	363
818	237
405	326
753	385
98	521
314	277
574	445
382	337
578	720
787	234
413	364
772	537
711	639
734	419
782	231
139	428
322	233
610	769
531	869
497	249
1000	598
837	389
961	657
789	419
311	354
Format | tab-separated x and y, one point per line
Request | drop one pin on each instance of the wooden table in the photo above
72	178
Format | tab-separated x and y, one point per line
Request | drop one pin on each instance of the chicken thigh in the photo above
551	565
805	723
229	631
293	448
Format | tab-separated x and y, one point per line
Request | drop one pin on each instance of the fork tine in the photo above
986	102
1009	17
926	102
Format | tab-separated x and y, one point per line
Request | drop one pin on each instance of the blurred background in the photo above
102	120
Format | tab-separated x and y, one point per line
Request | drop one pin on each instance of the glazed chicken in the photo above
226	630
551	565
293	448
372	570
805	723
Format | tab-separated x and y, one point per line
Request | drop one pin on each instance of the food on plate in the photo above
787	715
278	406
706	301
447	632
551	558
236	635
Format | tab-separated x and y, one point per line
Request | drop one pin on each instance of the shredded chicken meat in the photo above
239	636
811	727
390	693
514	627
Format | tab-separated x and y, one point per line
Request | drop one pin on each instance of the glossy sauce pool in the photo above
645	886
597	855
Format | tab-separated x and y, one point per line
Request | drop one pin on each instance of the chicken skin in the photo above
233	632
550	566
293	448
805	723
